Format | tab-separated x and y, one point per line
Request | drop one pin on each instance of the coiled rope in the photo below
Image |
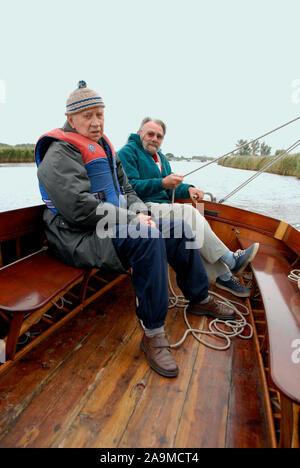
295	277
235	327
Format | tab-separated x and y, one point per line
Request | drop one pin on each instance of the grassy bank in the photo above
16	154
288	165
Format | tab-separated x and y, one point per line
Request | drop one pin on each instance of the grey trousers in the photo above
211	248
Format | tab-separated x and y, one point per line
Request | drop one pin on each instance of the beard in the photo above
152	148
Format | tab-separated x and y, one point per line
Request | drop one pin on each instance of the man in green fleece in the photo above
150	175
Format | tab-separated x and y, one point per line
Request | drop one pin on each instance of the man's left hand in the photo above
196	194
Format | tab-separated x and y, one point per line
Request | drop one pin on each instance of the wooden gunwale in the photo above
255	222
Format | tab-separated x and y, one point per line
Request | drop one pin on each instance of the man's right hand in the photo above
172	181
146	220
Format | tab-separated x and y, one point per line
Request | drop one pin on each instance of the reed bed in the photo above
12	154
289	165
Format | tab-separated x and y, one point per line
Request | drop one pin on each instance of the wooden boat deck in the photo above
89	385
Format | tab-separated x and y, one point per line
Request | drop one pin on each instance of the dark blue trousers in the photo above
147	251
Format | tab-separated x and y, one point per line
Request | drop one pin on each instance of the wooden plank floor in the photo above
89	385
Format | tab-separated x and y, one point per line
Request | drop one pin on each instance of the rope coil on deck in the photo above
295	277
236	327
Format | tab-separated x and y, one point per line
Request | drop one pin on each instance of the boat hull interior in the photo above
87	383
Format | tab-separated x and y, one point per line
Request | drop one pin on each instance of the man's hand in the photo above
172	181
146	220
196	194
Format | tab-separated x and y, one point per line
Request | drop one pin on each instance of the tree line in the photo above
253	149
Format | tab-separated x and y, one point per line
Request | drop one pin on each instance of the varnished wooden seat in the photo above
282	305
28	286
281	299
31	283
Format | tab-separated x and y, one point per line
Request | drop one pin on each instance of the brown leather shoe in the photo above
157	350
212	308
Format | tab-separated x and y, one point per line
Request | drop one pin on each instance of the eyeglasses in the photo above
152	134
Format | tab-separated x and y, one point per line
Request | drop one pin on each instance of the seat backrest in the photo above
21	233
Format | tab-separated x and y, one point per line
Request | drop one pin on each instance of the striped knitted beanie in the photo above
82	98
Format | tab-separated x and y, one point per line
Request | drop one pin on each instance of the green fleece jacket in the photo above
144	175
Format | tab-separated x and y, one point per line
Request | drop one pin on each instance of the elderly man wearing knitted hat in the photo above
79	173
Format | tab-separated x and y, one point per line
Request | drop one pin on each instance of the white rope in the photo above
235	327
295	277
63	301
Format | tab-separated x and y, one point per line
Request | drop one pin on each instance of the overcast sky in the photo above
213	70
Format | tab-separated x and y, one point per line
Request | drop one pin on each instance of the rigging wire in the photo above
263	169
242	146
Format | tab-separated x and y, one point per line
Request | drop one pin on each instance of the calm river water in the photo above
273	195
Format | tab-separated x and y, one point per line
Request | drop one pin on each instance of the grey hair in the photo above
158	122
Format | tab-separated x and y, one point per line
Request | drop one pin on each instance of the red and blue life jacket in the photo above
100	165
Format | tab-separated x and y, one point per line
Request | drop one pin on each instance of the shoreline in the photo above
287	166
